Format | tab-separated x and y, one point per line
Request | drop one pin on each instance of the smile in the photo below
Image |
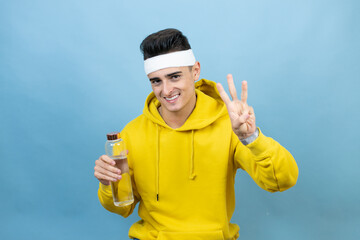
172	98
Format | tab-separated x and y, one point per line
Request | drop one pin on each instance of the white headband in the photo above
174	59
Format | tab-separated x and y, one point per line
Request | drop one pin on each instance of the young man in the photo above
185	149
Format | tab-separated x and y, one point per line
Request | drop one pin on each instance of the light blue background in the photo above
71	71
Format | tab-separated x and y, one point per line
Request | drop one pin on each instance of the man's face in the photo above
175	90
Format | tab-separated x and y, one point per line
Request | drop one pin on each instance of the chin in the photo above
173	108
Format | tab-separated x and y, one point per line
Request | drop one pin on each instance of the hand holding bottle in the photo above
106	171
112	167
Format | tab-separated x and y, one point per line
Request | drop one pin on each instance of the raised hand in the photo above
242	116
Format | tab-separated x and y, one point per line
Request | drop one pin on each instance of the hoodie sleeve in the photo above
106	199
269	164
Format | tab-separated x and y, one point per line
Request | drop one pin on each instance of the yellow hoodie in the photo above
184	177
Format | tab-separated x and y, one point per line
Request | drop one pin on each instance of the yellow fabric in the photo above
184	178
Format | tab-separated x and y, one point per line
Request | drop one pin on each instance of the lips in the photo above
172	99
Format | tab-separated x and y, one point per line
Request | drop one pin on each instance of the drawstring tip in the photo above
157	197
192	176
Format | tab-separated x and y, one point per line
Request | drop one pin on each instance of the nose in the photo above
167	88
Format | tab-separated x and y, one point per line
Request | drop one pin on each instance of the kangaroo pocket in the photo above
208	235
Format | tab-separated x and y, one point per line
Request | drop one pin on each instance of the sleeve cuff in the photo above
260	144
251	138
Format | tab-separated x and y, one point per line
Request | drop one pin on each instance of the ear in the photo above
196	71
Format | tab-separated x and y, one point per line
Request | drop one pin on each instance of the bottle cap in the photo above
113	136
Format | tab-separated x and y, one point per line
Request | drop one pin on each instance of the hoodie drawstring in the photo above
192	171
192	175
157	163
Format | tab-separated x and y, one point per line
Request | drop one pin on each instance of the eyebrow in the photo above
174	73
167	75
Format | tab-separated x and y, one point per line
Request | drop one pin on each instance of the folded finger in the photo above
251	110
107	160
111	171
243	117
107	166
102	176
107	172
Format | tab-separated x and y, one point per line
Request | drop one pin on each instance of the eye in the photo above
175	77
155	82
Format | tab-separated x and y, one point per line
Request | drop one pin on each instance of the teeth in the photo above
172	98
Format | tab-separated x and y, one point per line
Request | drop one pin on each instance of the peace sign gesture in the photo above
242	116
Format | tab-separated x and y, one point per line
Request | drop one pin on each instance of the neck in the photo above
177	119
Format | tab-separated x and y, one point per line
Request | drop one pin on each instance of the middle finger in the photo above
244	93
232	88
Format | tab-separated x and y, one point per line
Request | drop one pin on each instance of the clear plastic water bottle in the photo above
115	148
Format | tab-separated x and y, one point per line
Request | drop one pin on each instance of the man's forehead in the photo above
165	72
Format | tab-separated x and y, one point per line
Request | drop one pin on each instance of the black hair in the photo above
164	41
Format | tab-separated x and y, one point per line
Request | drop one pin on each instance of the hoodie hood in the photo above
209	107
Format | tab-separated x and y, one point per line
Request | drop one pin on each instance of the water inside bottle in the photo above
122	189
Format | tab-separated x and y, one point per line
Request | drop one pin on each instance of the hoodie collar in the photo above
209	107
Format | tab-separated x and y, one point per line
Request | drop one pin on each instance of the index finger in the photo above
107	159
223	94
244	93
